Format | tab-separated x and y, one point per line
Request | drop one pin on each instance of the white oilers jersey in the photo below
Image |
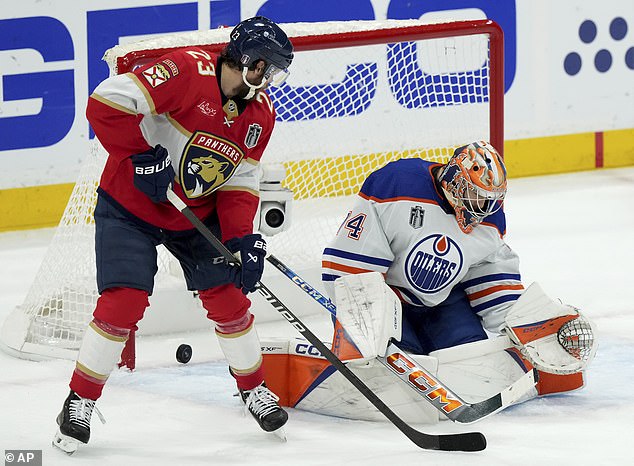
402	227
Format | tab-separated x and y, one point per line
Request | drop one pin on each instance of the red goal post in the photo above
360	94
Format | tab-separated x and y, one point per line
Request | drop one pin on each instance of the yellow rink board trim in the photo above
33	207
547	155
618	148
43	206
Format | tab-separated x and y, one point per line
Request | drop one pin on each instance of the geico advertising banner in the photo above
569	66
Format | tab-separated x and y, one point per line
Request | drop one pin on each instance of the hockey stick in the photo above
421	380
469	441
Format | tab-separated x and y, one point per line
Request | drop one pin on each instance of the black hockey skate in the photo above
262	404
74	423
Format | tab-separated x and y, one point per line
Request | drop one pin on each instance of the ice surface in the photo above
575	236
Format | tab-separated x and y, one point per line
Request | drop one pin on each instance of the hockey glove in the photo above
251	249
153	173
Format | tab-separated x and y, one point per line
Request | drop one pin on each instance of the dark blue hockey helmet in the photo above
259	38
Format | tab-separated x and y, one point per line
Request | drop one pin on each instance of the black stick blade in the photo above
470	441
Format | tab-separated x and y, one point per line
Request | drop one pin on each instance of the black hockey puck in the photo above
184	353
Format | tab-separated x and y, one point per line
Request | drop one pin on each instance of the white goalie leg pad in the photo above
298	373
242	350
99	352
554	337
335	398
369	311
479	370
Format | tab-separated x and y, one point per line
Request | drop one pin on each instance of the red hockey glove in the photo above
252	251
153	172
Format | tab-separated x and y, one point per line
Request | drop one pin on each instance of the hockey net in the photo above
360	94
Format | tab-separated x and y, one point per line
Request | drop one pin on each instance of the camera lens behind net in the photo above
274	218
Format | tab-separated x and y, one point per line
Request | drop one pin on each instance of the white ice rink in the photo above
574	234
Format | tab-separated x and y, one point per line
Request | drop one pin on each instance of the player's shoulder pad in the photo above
264	104
193	54
402	179
185	61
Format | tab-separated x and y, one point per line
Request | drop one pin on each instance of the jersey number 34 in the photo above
354	225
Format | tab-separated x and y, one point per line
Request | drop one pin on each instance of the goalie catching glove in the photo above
554	337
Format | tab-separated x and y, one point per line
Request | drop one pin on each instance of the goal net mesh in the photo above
360	94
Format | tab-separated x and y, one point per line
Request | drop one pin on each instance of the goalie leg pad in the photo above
343	346
293	369
297	372
481	369
476	371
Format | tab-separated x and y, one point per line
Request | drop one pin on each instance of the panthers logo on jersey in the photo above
208	162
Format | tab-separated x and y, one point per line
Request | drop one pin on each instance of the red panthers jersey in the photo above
215	143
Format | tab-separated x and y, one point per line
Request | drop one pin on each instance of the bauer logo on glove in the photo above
148	170
153	173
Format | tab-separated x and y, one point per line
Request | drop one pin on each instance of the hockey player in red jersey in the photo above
196	123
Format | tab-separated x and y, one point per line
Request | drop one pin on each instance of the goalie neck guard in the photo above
474	183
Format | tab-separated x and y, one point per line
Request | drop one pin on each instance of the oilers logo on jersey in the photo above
433	263
208	161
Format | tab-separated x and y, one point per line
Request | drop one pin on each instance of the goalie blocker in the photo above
554	338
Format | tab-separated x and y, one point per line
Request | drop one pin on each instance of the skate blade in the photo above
65	443
280	433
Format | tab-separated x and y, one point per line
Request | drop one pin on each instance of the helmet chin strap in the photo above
252	88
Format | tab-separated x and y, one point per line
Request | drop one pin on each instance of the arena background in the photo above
569	79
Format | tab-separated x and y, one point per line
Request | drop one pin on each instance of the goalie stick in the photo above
468	441
421	380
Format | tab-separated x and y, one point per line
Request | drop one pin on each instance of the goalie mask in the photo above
259	38
474	183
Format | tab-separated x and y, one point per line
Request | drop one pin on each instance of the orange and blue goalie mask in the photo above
474	182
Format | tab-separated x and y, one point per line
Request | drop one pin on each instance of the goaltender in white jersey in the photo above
421	260
403	226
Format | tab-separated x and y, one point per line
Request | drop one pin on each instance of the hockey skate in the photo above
262	404
74	423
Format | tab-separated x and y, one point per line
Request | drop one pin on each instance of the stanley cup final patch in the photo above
253	135
416	216
208	161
